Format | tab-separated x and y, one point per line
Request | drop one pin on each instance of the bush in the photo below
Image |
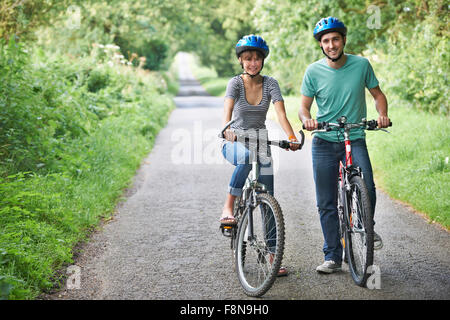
39	110
72	133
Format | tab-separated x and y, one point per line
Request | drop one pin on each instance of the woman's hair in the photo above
247	52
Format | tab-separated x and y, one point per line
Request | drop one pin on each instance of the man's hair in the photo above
342	35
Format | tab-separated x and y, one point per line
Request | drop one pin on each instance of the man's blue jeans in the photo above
325	158
238	155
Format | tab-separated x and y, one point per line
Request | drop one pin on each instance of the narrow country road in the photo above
164	241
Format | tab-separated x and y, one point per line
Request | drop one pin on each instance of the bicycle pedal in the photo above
226	231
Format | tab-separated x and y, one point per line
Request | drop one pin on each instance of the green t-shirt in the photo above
340	92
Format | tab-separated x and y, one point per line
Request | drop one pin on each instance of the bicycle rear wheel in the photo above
258	259
359	242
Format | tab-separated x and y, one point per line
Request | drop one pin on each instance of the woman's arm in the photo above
284	122
228	107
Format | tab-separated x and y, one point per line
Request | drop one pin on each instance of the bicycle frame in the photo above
257	241
252	185
353	203
346	171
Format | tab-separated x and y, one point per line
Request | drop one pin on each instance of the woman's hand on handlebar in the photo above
229	135
293	147
310	124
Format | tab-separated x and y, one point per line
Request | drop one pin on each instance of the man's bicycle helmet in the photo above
252	42
330	24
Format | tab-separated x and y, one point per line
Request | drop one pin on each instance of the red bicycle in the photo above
354	207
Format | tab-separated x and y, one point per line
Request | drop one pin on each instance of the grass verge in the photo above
45	214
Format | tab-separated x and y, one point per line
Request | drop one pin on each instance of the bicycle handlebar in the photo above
342	124
284	144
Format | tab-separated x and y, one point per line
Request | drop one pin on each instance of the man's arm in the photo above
381	105
304	114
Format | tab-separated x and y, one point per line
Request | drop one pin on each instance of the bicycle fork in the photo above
251	205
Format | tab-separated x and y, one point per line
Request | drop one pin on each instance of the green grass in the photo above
50	214
411	163
45	214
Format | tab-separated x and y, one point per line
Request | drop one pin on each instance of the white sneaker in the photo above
377	241
329	266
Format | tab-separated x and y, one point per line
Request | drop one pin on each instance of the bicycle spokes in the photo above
259	248
356	217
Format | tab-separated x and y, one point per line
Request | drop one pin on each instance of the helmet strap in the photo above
334	60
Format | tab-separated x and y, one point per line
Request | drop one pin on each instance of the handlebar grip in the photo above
283	144
225	128
302	139
320	125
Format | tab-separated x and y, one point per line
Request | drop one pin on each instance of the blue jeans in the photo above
238	155
325	158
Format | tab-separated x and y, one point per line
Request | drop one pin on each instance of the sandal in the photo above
282	272
228	221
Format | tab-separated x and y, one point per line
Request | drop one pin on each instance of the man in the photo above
338	83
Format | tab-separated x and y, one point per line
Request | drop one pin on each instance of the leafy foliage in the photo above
407	42
76	118
79	108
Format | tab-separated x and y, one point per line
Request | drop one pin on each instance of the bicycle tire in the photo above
255	271
359	235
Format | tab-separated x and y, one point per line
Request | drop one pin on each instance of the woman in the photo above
247	99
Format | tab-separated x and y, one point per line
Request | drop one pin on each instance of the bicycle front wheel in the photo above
258	257
359	242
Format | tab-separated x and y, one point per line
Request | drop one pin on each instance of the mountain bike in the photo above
257	240
353	203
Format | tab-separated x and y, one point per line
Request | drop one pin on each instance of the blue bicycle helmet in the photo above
252	42
330	24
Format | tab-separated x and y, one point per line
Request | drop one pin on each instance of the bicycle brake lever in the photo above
302	139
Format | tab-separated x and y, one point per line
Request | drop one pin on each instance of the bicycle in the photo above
257	240
353	203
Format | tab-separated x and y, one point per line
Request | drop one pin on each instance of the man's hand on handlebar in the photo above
383	122
310	124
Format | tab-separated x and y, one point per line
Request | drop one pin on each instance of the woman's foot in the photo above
283	271
227	217
229	221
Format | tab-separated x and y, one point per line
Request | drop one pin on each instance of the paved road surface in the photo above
164	241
